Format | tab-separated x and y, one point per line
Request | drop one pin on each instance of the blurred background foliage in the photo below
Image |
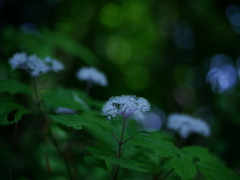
160	50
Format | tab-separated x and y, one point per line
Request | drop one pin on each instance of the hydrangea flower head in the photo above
125	105
92	74
34	65
185	125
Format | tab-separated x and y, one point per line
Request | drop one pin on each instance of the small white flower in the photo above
185	125
18	60
125	105
92	74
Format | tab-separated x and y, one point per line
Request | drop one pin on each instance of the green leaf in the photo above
124	162
66	98
95	162
16	111
209	165
202	153
213	171
77	121
160	146
184	166
13	87
104	137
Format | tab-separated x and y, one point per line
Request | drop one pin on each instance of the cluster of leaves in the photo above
147	155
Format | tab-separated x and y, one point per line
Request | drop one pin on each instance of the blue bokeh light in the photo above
222	76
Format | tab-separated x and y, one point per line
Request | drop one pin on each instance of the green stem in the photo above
168	173
120	143
35	90
127	140
88	86
181	142
115	137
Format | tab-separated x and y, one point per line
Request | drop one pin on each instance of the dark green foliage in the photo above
208	164
77	121
11	112
155	142
125	163
14	87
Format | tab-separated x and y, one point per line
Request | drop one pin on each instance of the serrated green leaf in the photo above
96	162
184	166
14	87
213	171
202	153
77	121
162	147
124	162
209	165
8	107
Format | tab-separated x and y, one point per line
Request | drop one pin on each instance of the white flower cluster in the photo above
34	65
125	105
185	125
92	74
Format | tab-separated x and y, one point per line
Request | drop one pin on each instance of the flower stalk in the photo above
126	106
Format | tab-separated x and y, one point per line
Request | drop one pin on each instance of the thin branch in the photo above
35	90
168	173
127	140
131	113
115	137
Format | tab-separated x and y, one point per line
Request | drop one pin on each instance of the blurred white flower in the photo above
34	65
152	122
125	105
18	60
63	110
93	75
222	76
54	64
233	14
185	125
